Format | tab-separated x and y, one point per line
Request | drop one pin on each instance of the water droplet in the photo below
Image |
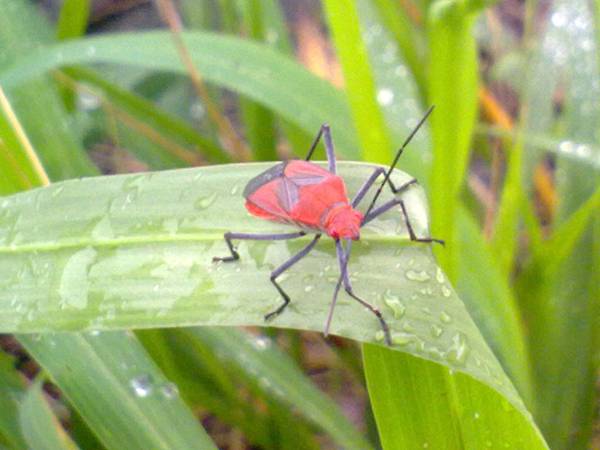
197	111
400	338
559	19
445	291
417	275
379	336
476	416
445	317
436	330
457	352
394	303
141	385
235	189
385	96
204	201
308	288
439	275
86	101
261	342
169	390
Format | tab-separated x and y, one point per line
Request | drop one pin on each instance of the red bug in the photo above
314	199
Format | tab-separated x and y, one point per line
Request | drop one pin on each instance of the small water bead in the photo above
436	330
445	317
476	416
385	97
414	275
204	201
439	275
261	342
394	303
399	338
169	390
446	292
141	385
308	288
457	352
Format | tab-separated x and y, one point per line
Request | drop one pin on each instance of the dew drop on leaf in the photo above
445	317
414	275
394	303
141	385
204	201
169	390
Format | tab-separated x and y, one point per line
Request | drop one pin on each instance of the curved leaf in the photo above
255	71
136	251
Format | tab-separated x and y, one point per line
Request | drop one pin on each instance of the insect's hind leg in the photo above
343	261
324	132
285	266
229	237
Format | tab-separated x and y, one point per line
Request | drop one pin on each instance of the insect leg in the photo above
371	180
285	266
315	142
389	205
229	236
325	132
343	260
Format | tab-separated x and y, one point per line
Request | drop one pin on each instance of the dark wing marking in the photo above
260	180
288	194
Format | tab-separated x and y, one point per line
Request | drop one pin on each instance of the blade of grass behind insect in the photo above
281	380
17	159
342	18
115	386
397	93
206	380
149	114
37	103
73	18
561	306
41	428
409	38
250	69
453	90
259	122
12	390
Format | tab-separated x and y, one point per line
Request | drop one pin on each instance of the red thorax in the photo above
343	222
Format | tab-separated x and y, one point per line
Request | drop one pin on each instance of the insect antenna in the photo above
398	154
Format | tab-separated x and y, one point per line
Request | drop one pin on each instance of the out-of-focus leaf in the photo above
277	375
119	391
149	115
12	390
453	90
41	428
37	103
560	296
73	18
359	84
250	69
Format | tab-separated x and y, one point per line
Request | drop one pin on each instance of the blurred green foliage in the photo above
510	164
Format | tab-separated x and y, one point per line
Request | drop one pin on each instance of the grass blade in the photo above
342	16
140	256
119	391
41	428
251	70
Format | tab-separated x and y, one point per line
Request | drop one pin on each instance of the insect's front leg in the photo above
229	237
368	184
389	205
